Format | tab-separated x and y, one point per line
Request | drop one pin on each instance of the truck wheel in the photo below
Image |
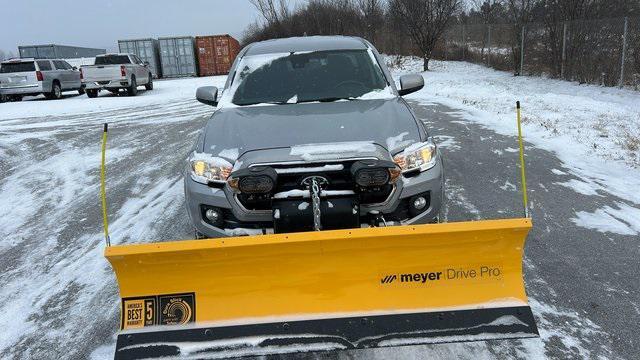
16	98
56	91
149	85
92	93
133	89
81	91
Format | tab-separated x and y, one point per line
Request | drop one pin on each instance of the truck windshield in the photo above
6	68
306	77
112	60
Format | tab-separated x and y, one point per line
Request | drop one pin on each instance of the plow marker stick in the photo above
522	168
103	192
325	290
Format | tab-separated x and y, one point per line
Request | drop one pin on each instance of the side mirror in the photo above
75	68
207	95
410	83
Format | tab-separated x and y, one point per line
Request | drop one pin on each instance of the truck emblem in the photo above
320	180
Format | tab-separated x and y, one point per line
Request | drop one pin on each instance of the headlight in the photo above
206	168
420	156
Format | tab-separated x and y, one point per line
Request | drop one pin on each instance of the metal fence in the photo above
604	52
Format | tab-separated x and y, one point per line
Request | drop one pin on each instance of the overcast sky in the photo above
101	23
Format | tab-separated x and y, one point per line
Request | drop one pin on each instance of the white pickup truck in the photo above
113	72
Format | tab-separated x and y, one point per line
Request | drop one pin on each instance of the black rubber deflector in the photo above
330	334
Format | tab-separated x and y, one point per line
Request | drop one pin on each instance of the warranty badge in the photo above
173	309
177	309
138	312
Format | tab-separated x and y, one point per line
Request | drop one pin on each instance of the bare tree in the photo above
519	13
274	12
425	21
488	10
372	14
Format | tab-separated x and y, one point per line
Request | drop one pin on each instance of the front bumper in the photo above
240	221
22	89
106	84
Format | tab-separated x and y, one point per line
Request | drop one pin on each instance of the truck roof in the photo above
113	54
17	60
306	43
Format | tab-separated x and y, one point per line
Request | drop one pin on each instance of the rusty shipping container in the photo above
216	54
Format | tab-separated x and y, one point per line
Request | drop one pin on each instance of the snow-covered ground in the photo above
594	130
164	92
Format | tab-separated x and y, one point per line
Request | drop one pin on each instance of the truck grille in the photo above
291	176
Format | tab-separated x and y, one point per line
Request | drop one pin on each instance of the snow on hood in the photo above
286	126
322	151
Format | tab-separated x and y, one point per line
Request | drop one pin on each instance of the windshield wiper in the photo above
328	99
264	102
287	102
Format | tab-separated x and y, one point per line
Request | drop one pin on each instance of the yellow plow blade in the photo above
323	290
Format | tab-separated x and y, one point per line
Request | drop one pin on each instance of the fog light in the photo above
212	215
419	203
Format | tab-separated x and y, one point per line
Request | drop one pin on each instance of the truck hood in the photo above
361	127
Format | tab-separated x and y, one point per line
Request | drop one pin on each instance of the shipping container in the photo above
52	51
177	55
216	54
146	49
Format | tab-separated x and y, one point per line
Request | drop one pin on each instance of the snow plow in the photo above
323	290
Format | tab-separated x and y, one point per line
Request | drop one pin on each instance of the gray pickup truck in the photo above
311	133
31	77
113	72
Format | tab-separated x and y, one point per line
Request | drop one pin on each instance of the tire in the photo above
133	89
81	91
93	93
149	85
56	91
16	98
